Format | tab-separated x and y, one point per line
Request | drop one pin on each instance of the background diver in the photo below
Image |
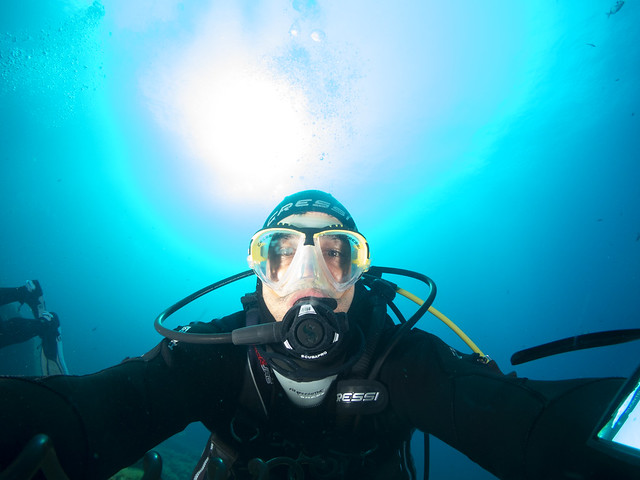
46	325
311	379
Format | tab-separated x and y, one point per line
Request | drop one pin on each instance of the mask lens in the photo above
282	250
344	254
272	251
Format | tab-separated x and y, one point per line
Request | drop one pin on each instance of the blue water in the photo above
490	145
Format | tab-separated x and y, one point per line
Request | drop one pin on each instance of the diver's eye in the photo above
284	245
285	251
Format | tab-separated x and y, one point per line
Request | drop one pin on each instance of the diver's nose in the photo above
309	265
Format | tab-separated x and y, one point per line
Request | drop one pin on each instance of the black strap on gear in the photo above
384	293
359	383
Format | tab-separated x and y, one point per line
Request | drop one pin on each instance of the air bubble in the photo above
318	36
294	31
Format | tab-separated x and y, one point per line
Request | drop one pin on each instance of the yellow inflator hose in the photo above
446	321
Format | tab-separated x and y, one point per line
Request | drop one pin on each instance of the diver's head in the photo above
308	247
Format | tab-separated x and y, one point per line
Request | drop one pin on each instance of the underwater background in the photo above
493	145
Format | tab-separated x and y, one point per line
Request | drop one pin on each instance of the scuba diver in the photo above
44	324
312	379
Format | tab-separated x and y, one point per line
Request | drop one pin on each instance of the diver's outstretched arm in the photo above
512	427
106	421
98	423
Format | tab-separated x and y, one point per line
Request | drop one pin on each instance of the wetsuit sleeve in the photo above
103	422
514	427
18	330
10	295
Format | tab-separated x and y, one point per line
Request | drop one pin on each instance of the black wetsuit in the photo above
18	329
513	427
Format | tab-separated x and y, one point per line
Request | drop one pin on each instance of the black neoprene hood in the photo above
310	201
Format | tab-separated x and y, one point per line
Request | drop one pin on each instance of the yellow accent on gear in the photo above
447	322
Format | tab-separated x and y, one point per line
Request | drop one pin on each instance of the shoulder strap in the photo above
375	326
257	386
220	454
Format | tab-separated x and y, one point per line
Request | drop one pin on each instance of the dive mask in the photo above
288	259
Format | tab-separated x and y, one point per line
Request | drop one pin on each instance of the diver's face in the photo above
277	305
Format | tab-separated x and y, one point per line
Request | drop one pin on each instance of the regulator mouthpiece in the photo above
311	329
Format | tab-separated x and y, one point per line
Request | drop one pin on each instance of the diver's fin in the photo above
579	342
51	357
